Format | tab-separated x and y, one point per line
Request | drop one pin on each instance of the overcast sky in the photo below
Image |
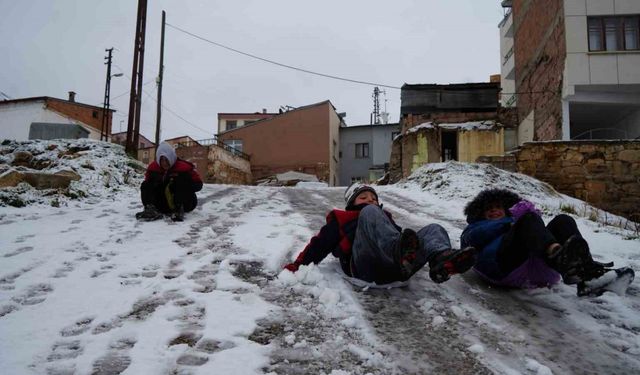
50	47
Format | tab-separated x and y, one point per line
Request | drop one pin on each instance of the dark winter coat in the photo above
181	168
487	236
335	237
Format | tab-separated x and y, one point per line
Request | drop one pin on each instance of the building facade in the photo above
16	116
450	122
365	151
305	139
230	121
577	68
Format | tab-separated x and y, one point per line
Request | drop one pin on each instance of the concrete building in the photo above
450	122
146	148
577	68
18	115
305	139
229	121
365	151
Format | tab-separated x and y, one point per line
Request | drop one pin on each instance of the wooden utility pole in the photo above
160	71
104	129
133	125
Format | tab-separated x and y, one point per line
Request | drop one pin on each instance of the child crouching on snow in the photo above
372	248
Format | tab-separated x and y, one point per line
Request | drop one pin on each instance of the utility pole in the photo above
160	70
104	129
133	125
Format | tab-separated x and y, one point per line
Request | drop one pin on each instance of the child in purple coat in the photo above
516	248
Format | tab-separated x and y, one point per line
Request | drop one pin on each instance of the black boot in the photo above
450	262
574	262
178	214
150	213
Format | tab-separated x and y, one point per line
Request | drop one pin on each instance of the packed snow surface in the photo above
86	289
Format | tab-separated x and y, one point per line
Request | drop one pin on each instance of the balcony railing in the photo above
215	142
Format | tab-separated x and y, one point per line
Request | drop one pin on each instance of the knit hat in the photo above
475	209
166	150
354	190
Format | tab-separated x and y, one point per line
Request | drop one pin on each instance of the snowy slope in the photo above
84	288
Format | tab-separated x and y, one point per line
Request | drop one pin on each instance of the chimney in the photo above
72	96
264	110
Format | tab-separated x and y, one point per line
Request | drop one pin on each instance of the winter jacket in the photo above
335	237
487	235
179	169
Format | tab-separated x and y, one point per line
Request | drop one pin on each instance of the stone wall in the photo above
216	165
604	173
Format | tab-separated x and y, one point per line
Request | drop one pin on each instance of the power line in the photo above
281	64
177	115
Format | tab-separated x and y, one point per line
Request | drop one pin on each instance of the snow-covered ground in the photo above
86	289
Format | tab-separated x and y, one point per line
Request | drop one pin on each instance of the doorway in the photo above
449	145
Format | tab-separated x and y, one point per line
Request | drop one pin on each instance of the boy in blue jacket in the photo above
371	247
516	249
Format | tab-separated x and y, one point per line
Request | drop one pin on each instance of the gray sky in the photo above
50	47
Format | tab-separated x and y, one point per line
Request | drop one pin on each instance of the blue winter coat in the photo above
486	236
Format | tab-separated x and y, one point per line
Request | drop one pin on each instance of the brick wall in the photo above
89	115
604	173
540	50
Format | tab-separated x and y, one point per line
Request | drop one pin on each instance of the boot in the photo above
450	262
406	252
574	262
178	214
150	213
612	280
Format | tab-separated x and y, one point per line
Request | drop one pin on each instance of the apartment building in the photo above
575	66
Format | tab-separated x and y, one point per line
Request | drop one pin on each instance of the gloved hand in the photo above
523	207
293	267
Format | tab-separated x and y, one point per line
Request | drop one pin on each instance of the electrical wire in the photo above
281	64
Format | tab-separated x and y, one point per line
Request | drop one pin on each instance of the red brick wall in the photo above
540	50
80	112
297	140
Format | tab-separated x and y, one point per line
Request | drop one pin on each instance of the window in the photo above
235	144
362	150
232	124
614	33
95	114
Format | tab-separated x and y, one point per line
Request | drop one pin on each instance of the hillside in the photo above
85	288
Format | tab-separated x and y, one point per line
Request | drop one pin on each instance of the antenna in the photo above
375	115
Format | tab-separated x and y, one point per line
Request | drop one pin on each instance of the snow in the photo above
85	288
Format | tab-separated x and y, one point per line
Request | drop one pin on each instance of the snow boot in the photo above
406	252
613	280
451	262
574	262
178	214
150	213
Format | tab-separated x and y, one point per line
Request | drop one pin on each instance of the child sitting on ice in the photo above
516	249
372	248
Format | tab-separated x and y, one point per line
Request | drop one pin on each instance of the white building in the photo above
22	119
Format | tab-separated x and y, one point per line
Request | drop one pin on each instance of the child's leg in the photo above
562	227
183	194
152	193
434	239
527	237
373	247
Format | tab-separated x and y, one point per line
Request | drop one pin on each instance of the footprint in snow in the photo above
79	327
117	360
19	250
